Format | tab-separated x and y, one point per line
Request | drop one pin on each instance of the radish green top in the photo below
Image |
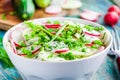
59	41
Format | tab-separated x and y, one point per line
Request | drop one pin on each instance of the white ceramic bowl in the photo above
31	69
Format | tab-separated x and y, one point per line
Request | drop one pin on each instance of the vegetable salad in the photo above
57	41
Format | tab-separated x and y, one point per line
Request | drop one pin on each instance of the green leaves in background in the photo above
4	57
0	42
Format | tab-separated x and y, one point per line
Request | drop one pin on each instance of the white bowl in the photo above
32	69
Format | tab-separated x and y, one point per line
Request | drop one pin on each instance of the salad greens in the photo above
59	40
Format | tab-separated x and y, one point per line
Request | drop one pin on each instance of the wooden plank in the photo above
13	19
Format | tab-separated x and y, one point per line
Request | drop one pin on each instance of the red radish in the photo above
111	18
118	63
89	16
101	48
91	34
52	25
91	44
13	46
92	12
53	32
33	52
114	8
16	35
88	44
22	54
36	50
61	50
53	9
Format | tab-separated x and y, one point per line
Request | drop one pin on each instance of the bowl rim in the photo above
54	18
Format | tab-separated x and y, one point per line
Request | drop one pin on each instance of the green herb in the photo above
94	46
89	27
5	59
59	32
27	37
25	51
22	44
33	34
43	59
99	42
99	28
51	55
41	28
1	42
83	50
36	43
34	27
32	48
48	21
4	16
67	56
56	22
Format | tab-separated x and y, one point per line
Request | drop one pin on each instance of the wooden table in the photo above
13	19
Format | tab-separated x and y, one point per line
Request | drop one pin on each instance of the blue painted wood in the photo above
107	71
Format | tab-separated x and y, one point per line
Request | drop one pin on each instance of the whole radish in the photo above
114	8
111	18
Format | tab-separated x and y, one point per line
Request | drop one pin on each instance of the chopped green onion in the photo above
60	30
83	50
22	44
32	48
99	42
56	22
51	55
48	21
67	56
25	51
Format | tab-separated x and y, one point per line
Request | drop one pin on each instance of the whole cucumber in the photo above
24	8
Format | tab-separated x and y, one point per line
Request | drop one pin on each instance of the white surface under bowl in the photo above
32	69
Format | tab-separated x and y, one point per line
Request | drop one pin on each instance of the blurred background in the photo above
16	11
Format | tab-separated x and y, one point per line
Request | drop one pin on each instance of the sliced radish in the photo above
61	50
13	46
52	25
53	32
53	9
92	12
91	34
90	44
89	16
36	50
16	35
22	54
101	48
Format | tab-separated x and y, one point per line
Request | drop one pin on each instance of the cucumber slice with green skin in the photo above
24	8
